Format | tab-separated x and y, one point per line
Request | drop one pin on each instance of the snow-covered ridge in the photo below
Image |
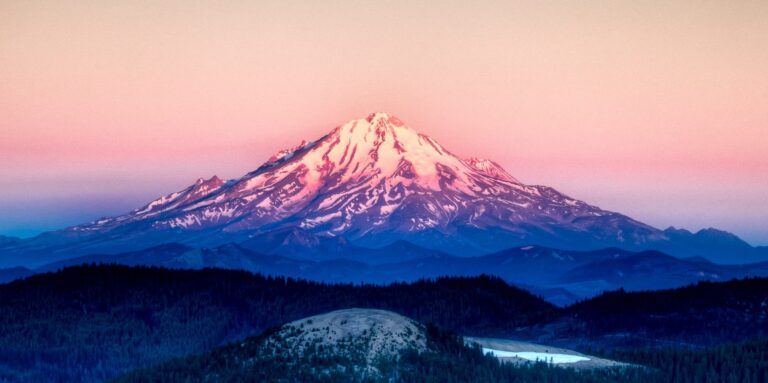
200	189
286	154
490	168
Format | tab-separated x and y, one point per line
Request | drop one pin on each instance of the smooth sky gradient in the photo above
657	109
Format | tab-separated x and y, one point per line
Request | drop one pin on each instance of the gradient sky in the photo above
657	109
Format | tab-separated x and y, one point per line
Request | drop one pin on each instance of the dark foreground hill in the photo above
89	323
92	323
362	345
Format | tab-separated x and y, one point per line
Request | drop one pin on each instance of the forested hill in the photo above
706	313
271	358
90	323
449	360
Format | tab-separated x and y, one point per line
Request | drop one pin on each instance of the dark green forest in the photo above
707	313
92	323
89	323
745	362
450	360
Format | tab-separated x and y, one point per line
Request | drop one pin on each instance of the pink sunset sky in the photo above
656	109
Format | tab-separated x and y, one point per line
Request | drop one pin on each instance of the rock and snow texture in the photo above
375	333
199	190
374	181
490	168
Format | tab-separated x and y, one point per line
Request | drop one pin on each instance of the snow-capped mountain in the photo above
374	181
369	182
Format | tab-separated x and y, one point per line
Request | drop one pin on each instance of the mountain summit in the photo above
370	182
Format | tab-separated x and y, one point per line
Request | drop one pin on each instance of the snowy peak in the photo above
379	118
377	147
396	149
377	133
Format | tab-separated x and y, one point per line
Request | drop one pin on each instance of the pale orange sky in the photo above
656	109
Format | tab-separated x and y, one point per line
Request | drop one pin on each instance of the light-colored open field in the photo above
506	347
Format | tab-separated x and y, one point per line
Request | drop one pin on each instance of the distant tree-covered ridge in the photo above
707	313
745	362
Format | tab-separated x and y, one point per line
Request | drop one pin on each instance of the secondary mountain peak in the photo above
286	154
213	182
489	167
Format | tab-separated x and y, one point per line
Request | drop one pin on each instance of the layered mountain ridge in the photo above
559	276
369	182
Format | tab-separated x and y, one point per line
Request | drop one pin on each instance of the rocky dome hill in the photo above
361	333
